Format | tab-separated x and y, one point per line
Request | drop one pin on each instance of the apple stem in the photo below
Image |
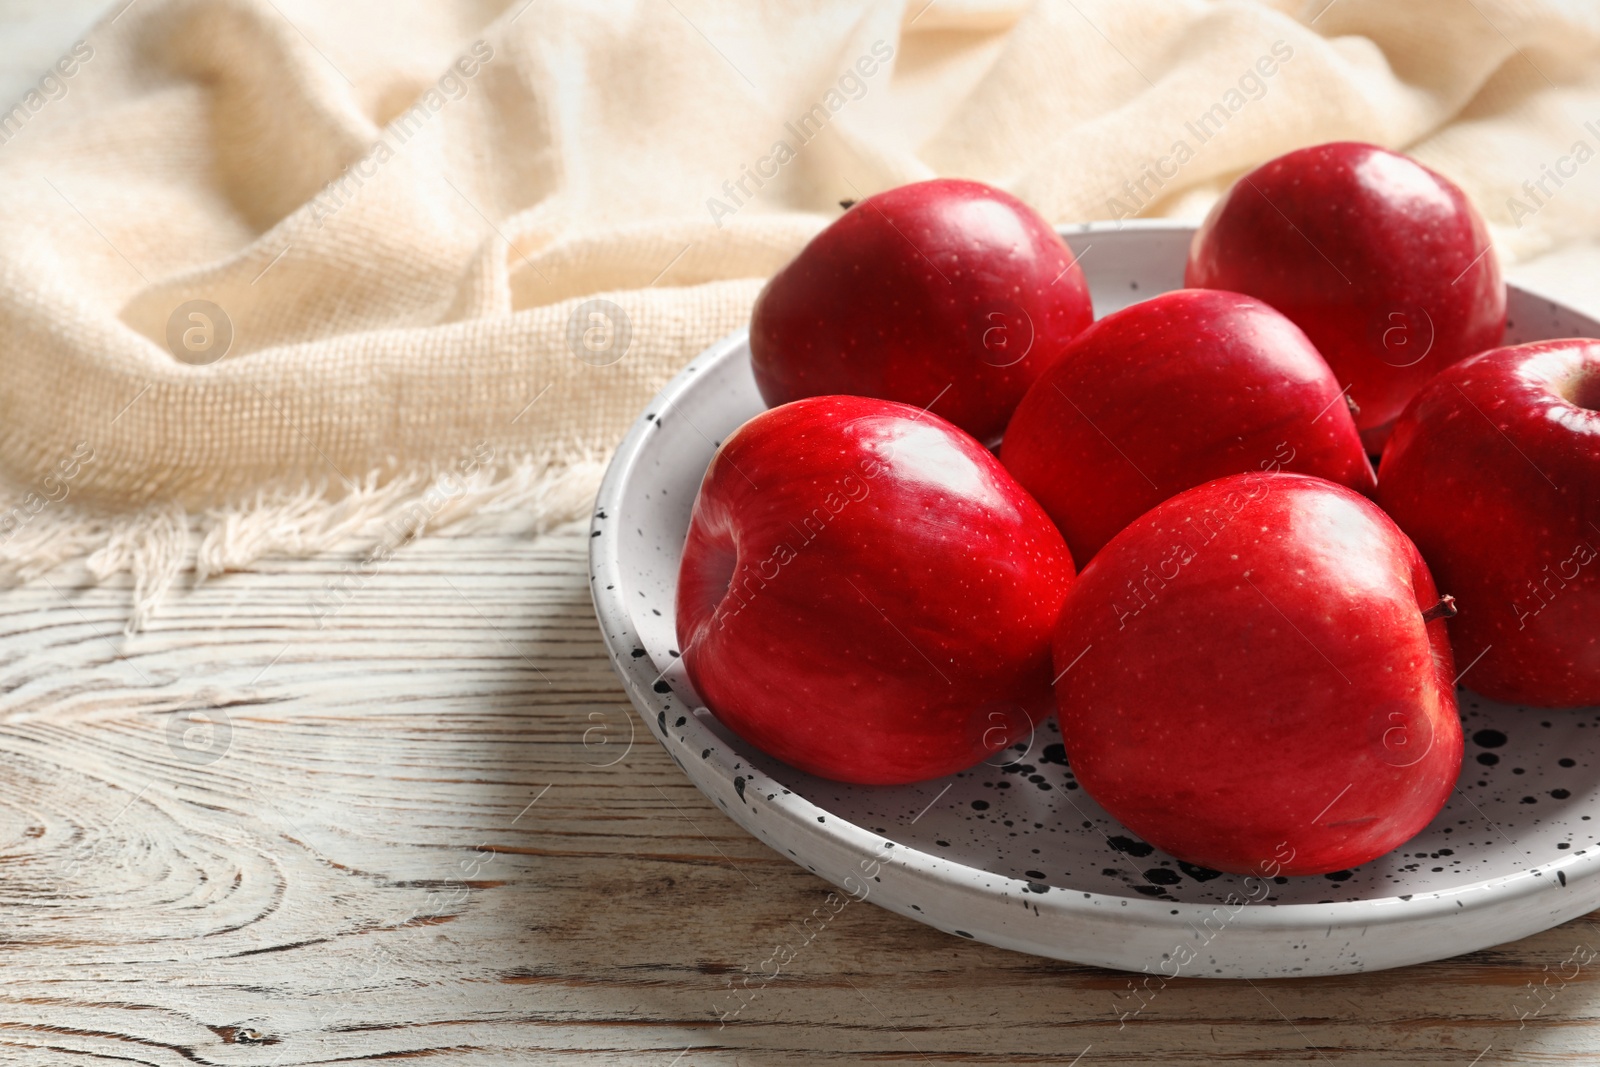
1355	409
847	204
1444	609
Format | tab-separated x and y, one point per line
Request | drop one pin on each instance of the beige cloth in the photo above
399	207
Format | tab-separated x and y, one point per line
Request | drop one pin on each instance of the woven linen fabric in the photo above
274	273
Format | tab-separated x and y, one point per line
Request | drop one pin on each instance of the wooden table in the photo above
420	829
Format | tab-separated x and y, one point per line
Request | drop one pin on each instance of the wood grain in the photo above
419	829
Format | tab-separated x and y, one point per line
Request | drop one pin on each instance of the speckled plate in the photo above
1012	852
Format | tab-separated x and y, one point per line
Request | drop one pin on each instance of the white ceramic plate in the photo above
1016	854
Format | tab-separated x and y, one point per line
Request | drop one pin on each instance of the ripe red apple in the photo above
866	594
1384	264
1494	471
1170	393
1249	680
944	294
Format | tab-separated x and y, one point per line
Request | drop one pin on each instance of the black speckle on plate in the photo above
1130	846
1198	873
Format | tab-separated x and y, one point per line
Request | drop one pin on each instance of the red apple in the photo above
1249	680
866	594
1384	264
944	294
1168	394
1494	471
